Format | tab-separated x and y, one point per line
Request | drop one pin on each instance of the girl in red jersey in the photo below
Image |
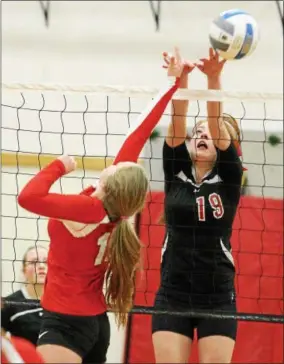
90	238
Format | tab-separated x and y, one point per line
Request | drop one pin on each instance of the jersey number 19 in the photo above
215	203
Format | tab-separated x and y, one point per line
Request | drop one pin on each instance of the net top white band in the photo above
136	92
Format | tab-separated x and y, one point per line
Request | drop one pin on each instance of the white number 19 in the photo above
215	203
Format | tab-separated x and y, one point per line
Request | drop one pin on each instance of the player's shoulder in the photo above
15	296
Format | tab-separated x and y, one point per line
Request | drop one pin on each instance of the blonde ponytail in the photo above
125	195
123	258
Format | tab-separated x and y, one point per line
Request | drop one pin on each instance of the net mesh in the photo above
41	122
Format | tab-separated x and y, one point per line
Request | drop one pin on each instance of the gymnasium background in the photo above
115	42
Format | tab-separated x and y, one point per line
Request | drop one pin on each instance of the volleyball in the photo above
234	34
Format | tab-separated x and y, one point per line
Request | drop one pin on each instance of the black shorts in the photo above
87	336
186	325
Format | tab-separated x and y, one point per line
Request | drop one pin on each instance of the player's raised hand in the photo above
187	66
211	66
174	64
69	163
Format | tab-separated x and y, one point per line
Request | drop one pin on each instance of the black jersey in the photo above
22	321
197	264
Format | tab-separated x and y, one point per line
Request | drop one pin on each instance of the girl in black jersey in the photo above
202	192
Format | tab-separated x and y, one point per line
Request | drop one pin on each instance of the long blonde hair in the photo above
125	194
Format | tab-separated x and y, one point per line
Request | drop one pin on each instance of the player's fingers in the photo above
211	53
64	157
177	55
172	62
200	62
200	67
166	56
216	56
69	163
190	64
164	66
167	60
223	62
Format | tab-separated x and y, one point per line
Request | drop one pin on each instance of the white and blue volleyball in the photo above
234	34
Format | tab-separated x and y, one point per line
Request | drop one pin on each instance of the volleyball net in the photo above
41	122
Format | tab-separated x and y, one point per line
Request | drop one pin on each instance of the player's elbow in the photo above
29	202
25	200
22	199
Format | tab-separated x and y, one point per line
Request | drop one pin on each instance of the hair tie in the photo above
123	218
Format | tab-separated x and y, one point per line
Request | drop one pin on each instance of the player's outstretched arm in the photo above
229	164
36	198
177	131
212	68
175	154
138	136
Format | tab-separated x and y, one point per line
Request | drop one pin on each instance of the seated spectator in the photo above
22	320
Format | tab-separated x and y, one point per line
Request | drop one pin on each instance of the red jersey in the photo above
18	350
79	226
